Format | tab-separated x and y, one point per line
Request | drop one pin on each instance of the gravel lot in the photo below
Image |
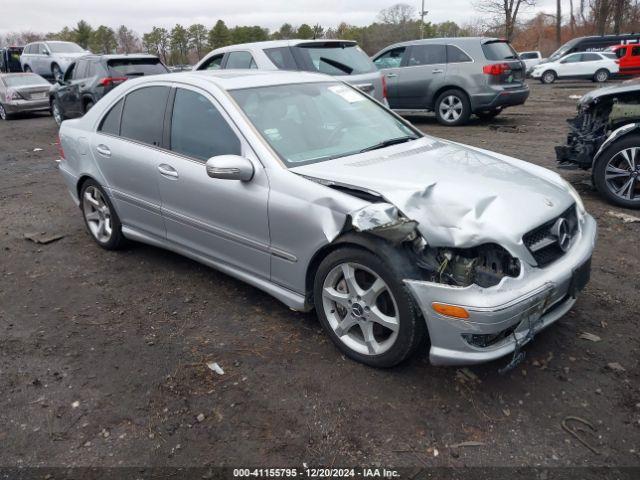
103	355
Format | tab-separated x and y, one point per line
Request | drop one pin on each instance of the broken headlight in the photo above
485	265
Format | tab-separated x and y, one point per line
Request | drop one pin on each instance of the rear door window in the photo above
427	55
635	51
143	115
111	122
390	59
498	50
214	63
590	57
42	50
80	71
198	130
281	58
455	55
242	60
333	58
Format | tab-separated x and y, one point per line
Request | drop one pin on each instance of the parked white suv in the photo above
530	59
597	66
50	59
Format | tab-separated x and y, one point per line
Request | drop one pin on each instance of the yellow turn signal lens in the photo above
450	310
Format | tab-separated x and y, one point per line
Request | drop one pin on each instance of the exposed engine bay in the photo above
599	113
484	265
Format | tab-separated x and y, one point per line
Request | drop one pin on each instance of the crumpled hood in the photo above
460	196
624	87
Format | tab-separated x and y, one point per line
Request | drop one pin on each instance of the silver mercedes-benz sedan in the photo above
310	190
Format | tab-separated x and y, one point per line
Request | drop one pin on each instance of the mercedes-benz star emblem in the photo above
560	230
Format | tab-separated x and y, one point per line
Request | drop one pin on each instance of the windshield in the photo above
130	67
499	51
312	122
563	50
64	47
335	59
24	80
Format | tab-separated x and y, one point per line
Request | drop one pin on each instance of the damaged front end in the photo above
485	265
599	114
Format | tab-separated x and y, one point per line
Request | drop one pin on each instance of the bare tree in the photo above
505	10
601	11
620	7
398	14
558	23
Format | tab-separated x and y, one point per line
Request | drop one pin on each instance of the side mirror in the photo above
230	167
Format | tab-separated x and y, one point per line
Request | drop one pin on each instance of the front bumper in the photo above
499	98
20	106
516	308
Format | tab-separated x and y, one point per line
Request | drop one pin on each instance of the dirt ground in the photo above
103	354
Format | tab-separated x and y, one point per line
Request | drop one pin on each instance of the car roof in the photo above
238	79
281	43
116	56
449	40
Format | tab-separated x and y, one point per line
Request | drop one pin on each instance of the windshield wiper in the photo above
388	143
336	64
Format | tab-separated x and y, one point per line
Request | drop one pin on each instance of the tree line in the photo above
400	22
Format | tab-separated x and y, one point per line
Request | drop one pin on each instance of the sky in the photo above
141	15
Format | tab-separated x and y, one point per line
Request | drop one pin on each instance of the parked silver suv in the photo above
50	59
339	58
455	77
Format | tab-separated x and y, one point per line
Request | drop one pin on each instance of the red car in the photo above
628	58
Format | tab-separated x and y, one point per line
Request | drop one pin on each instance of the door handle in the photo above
437	70
103	150
167	170
392	75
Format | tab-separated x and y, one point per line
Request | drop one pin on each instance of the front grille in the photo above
543	244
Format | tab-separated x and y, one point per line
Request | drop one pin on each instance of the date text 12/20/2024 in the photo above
308	472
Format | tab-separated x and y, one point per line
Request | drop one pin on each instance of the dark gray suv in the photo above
454	77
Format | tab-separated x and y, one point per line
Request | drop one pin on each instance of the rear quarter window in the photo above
332	59
455	55
110	123
281	58
495	51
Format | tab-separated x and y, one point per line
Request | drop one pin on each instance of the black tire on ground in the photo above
117	239
26	69
489	114
601	75
56	73
88	106
548	77
57	112
600	168
3	113
453	97
412	328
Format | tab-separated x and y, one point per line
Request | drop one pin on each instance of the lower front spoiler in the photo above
506	316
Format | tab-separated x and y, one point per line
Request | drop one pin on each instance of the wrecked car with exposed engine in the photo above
605	136
307	188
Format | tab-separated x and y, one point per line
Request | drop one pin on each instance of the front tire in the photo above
453	108
100	217
88	106
616	173
366	309
601	75
57	113
548	77
26	69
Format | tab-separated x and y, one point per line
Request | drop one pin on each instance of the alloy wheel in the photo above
602	76
549	77
360	309
451	108
622	174
3	112
97	214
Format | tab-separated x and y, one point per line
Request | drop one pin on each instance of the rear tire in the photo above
616	178
374	293
3	113
56	72
601	75
100	217
88	106
548	77
453	108
26	69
